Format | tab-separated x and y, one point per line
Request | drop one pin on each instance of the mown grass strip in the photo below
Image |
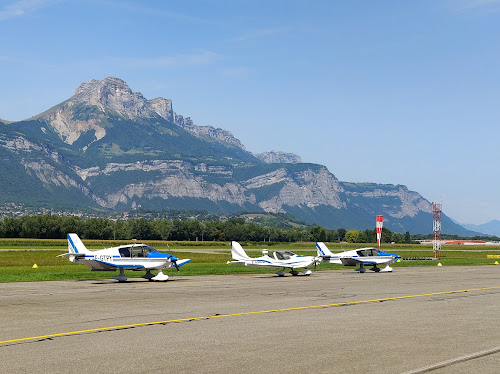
16	265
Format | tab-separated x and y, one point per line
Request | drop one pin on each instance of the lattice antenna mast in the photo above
379	224
436	228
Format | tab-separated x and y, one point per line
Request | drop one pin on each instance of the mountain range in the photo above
107	148
489	228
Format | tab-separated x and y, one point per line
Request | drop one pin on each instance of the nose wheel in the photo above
160	276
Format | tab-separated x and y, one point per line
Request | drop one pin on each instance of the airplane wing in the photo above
271	264
257	263
350	261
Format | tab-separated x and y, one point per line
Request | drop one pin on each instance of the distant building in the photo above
459	242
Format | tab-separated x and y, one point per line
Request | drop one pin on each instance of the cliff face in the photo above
278	158
107	147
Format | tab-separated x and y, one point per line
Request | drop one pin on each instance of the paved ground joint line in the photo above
455	360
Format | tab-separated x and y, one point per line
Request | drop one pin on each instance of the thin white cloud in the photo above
152	11
465	5
479	3
179	60
261	33
23	7
199	58
235	72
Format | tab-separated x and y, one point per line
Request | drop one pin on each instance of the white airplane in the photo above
278	259
124	257
361	257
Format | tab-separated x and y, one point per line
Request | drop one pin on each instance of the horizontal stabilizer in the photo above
74	255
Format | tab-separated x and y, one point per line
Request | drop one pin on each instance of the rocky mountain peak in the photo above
113	94
163	107
278	157
95	88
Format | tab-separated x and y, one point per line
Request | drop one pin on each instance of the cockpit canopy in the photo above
364	252
140	250
283	255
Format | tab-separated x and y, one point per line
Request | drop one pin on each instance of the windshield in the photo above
283	255
142	250
368	252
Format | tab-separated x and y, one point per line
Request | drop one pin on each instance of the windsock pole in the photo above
380	223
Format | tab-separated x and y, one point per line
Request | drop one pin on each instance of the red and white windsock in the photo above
380	223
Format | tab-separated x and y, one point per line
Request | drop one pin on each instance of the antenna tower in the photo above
436	228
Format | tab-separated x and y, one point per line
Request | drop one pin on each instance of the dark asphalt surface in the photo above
432	319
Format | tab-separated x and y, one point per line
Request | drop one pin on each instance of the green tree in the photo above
218	235
341	231
352	236
371	236
161	229
407	237
386	235
72	224
140	229
11	227
317	234
179	230
397	237
362	237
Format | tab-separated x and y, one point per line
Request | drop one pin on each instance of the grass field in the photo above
17	257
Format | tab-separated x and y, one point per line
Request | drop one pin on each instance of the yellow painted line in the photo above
493	256
245	314
180	281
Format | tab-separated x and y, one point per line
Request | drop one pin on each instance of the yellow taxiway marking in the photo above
246	314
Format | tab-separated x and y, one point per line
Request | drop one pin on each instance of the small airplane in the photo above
124	257
362	256
278	259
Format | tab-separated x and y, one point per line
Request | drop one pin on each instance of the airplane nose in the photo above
173	258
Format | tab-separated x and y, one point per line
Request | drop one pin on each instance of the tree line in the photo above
56	227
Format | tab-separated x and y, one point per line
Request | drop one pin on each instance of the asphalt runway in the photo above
414	320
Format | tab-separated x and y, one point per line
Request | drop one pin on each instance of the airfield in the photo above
414	320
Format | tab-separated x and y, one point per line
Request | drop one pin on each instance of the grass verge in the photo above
17	265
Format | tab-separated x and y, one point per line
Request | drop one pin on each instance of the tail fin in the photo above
237	252
75	245
322	249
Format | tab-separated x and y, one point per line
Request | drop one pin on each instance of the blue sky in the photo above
400	92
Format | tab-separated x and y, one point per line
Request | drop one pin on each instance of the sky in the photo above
393	92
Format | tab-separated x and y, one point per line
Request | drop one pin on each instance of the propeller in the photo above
316	261
173	259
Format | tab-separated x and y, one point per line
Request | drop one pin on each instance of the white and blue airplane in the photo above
278	259
363	256
124	257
